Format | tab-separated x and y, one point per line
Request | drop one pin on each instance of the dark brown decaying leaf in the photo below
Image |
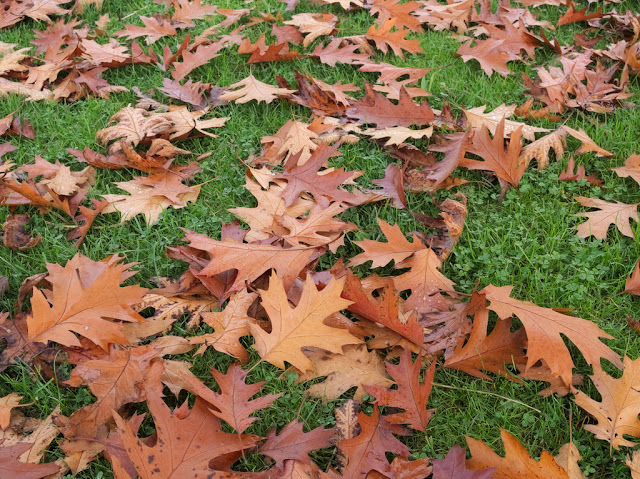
15	235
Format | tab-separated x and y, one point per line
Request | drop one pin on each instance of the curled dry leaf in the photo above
15	234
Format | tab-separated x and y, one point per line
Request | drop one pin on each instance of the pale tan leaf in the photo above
477	118
252	89
618	214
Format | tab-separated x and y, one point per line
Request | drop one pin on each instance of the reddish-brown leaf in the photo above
570	175
366	451
293	443
377	109
401	13
412	394
453	467
186	440
11	466
233	403
15	234
632	285
545	328
572	15
337	52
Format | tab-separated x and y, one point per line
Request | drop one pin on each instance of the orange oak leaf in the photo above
377	109
116	380
579	174
354	367
572	15
7	403
489	53
366	451
85	306
308	177
384	39
293	443
545	328
632	285
186	440
616	413
233	403
516	463
302	326
402	13
425	281
619	214
492	352
454	147
384	309
453	467
412	394
505	163
397	248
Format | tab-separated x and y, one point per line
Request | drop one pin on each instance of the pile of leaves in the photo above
362	336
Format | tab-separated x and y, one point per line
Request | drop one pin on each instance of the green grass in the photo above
526	241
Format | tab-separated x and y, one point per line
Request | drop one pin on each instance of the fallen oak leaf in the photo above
397	248
252	89
229	326
250	260
294	444
81	306
516	463
302	326
384	39
412	394
452	466
186	440
615	413
588	145
545	327
477	118
377	109
11	466
233	404
366	451
505	163
632	285
598	222
355	366
630	169
580	174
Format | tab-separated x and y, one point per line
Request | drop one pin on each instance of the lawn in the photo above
528	240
